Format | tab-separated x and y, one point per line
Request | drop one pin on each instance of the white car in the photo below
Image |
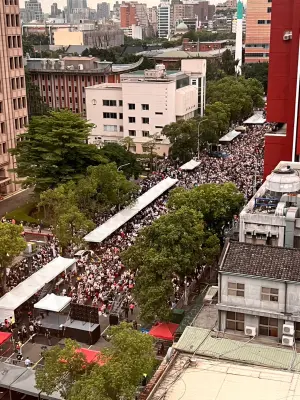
83	255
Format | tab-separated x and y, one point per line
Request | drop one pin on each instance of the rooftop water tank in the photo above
284	180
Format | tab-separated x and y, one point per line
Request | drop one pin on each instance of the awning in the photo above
190	165
9	373
164	330
255	119
103	231
52	302
26	384
4	336
92	356
229	137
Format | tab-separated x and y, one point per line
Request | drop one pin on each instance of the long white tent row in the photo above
229	137
190	165
110	226
26	289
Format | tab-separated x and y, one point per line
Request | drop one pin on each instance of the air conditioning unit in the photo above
287	340
250	331
288	328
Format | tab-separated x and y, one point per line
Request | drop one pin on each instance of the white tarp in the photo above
190	165
26	289
52	302
256	119
229	137
103	231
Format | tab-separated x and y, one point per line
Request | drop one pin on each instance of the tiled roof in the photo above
202	343
260	260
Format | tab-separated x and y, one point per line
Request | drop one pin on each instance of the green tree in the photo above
11	245
217	203
127	142
228	63
257	71
218	115
116	153
54	150
254	89
165	248
183	138
231	91
130	355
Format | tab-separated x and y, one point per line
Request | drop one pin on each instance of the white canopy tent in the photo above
103	231
255	119
52	302
229	137
190	165
26	289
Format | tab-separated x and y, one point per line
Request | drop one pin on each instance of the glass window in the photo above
109	115
111	103
131	119
132	133
145	120
269	294
268	326
235	321
131	106
145	107
236	289
145	133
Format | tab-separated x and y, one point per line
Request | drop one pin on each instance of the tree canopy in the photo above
239	93
130	356
54	150
121	156
11	245
257	71
165	249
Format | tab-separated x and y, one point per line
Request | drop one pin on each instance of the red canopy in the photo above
91	356
164	330
4	336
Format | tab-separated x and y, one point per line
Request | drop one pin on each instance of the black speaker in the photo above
113	319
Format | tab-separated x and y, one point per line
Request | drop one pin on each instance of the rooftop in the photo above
261	261
180	54
140	72
208	379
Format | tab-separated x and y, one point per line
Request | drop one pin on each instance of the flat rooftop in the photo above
141	72
105	86
208	379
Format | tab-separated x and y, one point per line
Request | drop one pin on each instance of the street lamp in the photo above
198	144
123	165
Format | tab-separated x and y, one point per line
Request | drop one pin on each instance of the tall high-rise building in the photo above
55	11
258	25
33	11
13	107
164	20
283	142
78	7
103	10
128	16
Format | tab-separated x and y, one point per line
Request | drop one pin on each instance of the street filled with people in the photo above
102	275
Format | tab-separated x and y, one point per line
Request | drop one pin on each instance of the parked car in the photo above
218	154
83	255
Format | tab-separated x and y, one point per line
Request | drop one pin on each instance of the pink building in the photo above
13	107
144	102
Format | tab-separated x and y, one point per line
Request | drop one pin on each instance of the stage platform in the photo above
83	332
53	321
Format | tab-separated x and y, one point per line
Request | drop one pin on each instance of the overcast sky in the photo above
92	3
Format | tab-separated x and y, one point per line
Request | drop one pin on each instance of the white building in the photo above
143	103
272	216
164	20
259	291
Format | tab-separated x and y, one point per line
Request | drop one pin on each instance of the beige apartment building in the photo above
258	29
144	102
13	107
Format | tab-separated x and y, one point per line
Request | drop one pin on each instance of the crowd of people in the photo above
101	277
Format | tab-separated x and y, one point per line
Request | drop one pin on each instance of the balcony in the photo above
4	160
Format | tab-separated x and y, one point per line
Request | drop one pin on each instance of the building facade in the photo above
13	107
103	10
62	82
283	88
258	28
143	103
259	291
164	20
33	11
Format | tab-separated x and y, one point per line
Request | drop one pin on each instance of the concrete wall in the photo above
63	37
17	200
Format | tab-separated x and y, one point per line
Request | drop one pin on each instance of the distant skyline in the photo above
46	4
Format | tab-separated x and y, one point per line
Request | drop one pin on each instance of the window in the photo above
18	83
7	20
121	128
145	133
110	103
120	103
13	83
158	127
121	115
4	148
17	123
146	149
1	107
268	326
2	127
20	62
109	115
131	119
269	294
9	42
131	106
145	107
194	82
70	89
110	128
236	289
264	21
255	55
235	321
11	63
15	104
269	9
159	113
132	133
145	120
